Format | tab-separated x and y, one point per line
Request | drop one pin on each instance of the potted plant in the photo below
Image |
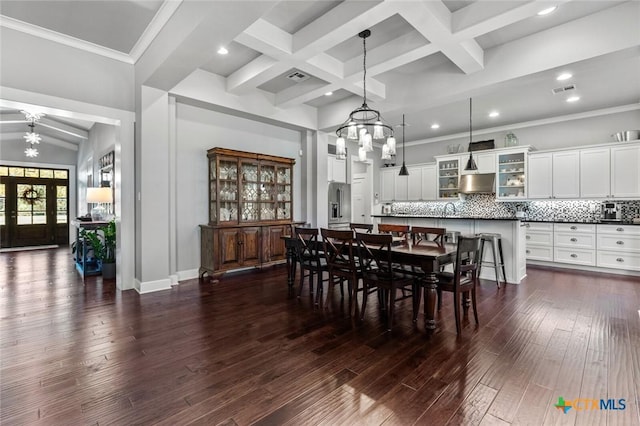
103	244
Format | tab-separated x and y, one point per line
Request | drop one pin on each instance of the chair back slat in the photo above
374	251
467	258
361	227
339	251
398	231
421	234
307	247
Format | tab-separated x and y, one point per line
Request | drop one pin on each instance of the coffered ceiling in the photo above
425	58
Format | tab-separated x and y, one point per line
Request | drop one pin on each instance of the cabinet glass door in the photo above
267	192
448	173
250	192
511	175
228	189
283	187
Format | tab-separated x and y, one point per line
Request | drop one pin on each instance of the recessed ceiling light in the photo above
573	99
435	126
494	114
547	10
222	51
328	94
564	76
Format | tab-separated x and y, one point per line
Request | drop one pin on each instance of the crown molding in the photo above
67	40
533	123
159	20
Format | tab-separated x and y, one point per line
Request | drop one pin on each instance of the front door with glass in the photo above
33	207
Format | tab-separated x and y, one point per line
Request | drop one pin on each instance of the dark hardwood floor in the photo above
244	352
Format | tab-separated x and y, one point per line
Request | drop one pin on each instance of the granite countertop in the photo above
425	216
592	222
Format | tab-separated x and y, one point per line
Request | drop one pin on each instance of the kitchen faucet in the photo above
447	205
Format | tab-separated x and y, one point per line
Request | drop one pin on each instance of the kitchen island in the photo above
512	231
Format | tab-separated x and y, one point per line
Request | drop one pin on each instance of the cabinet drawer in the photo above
539	226
619	229
573	239
611	259
540	253
619	243
539	238
574	227
576	256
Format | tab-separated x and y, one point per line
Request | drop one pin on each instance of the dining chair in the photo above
341	262
464	277
379	274
310	258
361	227
422	234
400	233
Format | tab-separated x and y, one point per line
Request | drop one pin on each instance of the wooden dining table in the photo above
429	257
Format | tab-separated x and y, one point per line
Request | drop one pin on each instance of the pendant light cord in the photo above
470	109
403	150
364	67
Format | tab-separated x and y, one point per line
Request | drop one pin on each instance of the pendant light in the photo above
471	164
365	124
403	169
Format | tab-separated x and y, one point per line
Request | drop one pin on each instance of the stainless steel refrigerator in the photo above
339	205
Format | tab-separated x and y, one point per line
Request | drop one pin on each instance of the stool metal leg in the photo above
481	255
496	266
504	273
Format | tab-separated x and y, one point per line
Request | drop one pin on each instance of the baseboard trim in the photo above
189	274
151	286
596	269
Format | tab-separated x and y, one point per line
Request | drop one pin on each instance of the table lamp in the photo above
98	196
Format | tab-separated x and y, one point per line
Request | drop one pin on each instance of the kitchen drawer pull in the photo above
573	240
619	259
620	242
620	229
528	251
574	255
527	225
528	237
574	228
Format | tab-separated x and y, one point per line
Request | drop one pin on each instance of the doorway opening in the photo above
34	206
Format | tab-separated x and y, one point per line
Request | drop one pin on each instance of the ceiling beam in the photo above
433	20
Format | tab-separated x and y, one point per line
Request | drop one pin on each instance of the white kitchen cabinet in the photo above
429	182
618	247
625	171
486	162
540	175
400	187
387	184
595	173
511	174
414	183
448	173
566	174
336	169
554	175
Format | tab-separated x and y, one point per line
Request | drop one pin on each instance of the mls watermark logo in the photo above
586	404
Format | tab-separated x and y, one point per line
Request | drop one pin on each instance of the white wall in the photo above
200	129
102	139
43	66
587	131
13	150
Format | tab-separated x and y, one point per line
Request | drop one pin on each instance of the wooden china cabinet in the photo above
250	208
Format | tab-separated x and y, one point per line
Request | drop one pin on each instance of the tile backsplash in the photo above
485	205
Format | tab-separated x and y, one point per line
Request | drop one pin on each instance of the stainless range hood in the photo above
481	183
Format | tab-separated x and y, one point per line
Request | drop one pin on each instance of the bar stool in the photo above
496	248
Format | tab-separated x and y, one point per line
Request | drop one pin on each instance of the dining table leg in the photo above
430	294
291	264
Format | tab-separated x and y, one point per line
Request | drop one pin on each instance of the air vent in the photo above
562	89
331	149
297	76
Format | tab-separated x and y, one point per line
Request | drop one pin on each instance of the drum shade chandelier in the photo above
31	137
365	124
